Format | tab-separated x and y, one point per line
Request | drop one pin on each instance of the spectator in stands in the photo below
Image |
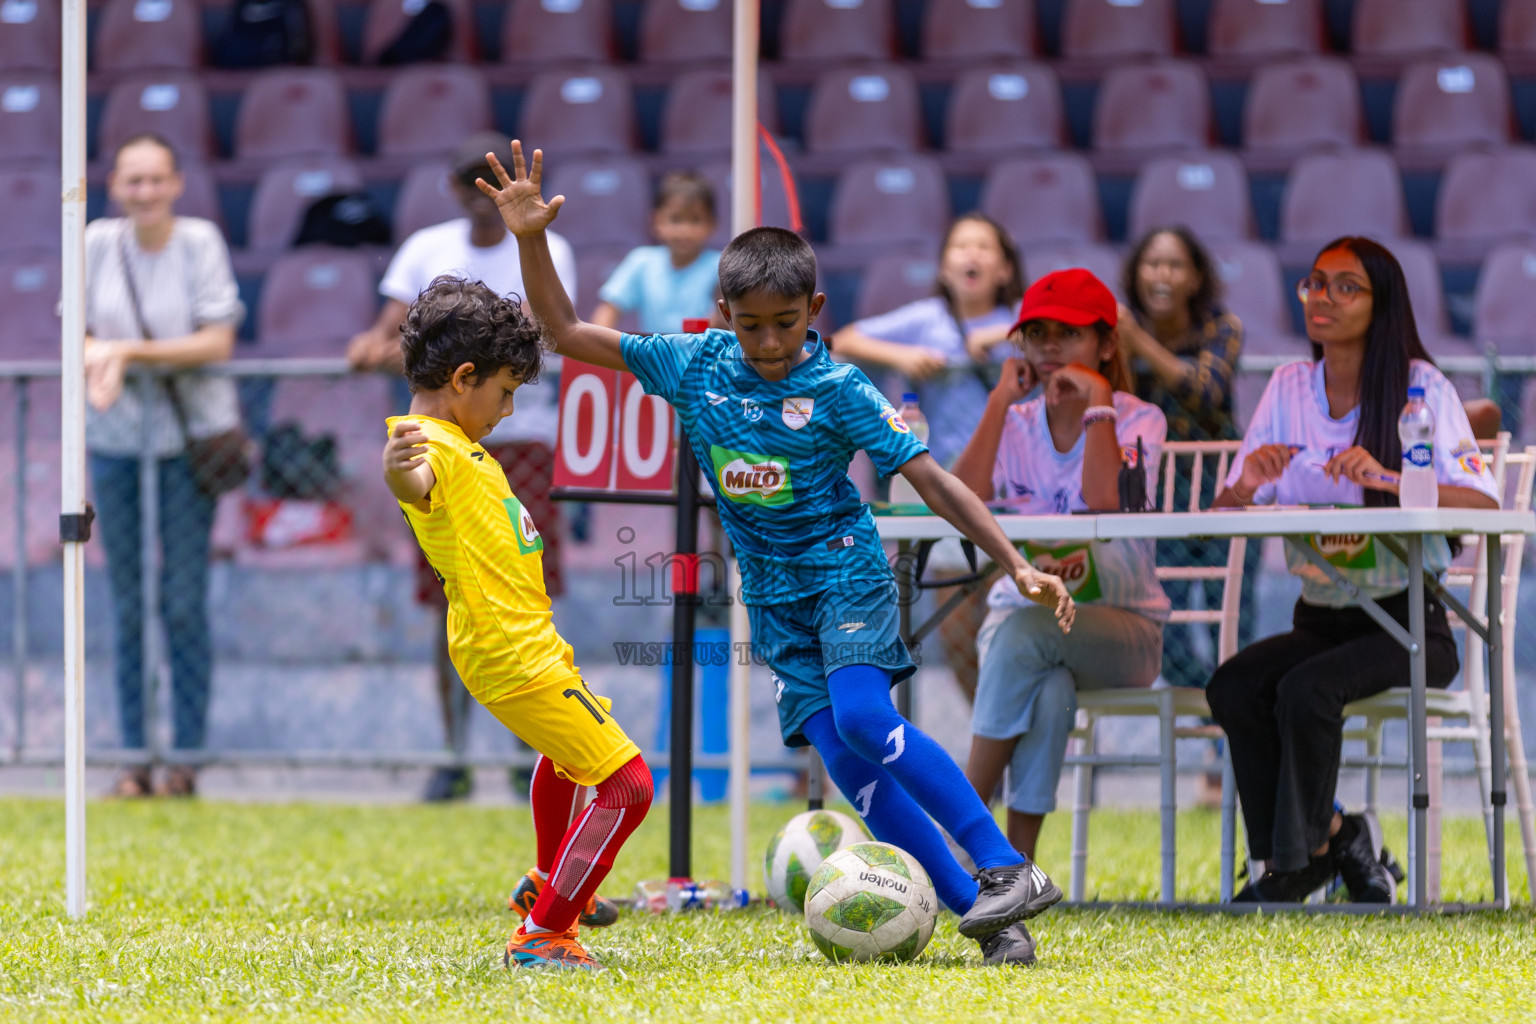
478	247
160	294
1325	432
676	280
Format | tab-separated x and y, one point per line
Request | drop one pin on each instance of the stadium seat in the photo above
325	29
1044	200
199	194
1504	309
29	35
29	301
1397	28
608	201
1264	28
387	18
1485	198
1425	289
772	200
1254	288
1107	29
592	271
863	109
314	300
1357	192
1101	260
29	208
173	106
285	191
696	115
1517	27
837	30
1145	107
972	30
895	280
289	112
1450	104
555	31
685	30
588	110
897	201
29	116
143	35
428	110
425	200
1006	107
1206	192
1299	105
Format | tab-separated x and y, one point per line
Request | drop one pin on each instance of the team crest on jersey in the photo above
797	412
528	539
1128	456
751	410
752	479
1470	457
893	420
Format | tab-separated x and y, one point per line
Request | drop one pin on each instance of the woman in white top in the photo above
176	271
1058	453
1325	432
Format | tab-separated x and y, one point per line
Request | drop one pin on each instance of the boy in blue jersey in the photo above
776	422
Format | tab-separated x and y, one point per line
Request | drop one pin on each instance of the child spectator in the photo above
665	284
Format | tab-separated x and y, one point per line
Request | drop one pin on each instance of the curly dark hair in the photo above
455	321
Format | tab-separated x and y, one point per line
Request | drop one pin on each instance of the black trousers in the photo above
1281	703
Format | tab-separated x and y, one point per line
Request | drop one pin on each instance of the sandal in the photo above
132	783
180	780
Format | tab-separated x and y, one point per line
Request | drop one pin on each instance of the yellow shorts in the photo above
566	722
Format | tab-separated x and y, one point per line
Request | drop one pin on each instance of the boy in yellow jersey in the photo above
467	351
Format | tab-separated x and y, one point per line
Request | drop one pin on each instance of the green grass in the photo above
206	911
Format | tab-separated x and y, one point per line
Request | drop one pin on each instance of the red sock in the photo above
556	802
590	847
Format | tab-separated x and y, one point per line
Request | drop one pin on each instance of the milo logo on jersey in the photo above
1346	550
528	539
1073	563
752	479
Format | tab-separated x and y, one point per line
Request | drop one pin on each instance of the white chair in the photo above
1468	706
1167	703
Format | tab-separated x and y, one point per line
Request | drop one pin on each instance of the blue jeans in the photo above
186	524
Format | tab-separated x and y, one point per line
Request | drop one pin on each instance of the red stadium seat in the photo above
1147	107
325	30
685	30
428	110
173	106
314	300
1044	200
1396	28
1206	192
608	201
29	116
141	35
425	200
1300	105
29	301
387	18
772	198
1254	288
1505	304
1517	27
287	190
552	31
1485	198
1425	289
289	112
1003	108
1264	28
592	271
1115	28
1452	103
1100	260
900	201
864	109
893	281
970	30
837	30
199	194
1351	193
29	210
696	116
589	110
29	35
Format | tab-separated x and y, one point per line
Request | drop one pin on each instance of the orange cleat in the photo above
549	951
598	913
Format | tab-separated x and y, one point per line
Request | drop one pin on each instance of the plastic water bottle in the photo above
902	492
1416	430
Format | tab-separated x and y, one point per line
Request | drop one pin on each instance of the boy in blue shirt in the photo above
776	422
675	281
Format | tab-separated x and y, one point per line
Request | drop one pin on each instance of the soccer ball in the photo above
870	901
798	849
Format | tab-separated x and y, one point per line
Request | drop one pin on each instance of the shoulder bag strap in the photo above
138	315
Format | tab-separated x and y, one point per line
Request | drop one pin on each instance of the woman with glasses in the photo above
1325	432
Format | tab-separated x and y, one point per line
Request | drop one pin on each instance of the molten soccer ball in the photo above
798	849
870	901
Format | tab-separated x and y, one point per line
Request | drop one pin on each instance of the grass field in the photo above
212	912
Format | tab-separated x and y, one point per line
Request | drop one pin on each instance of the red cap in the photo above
1072	296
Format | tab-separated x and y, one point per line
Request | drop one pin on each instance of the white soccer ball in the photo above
797	850
871	901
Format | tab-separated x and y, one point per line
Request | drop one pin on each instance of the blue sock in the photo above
892	816
869	723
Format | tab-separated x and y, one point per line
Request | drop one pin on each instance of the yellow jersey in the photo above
484	547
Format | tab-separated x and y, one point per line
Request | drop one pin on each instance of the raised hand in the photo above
522	206
1045	589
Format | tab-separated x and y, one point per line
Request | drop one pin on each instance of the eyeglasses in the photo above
1342	292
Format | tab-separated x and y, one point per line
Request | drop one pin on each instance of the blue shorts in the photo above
806	640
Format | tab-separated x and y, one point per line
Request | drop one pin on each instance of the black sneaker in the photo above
1357	854
1012	945
1016	892
448	784
1289	886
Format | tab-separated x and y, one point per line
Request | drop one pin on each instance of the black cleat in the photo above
1016	892
1289	886
1012	945
1357	854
